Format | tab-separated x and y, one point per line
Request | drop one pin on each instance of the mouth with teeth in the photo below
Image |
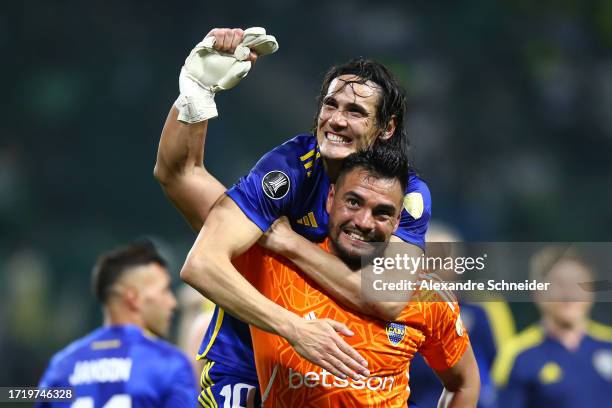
339	139
356	237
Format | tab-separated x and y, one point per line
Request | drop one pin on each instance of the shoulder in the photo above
600	332
294	151
162	348
515	349
417	199
73	348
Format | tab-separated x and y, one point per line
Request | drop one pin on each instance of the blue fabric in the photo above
583	377
148	371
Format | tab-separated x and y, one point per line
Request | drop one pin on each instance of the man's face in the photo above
569	305
156	302
363	211
347	119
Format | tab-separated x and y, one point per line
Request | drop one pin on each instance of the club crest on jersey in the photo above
396	333
414	204
275	184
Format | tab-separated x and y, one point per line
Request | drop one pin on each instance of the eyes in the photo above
381	214
352	110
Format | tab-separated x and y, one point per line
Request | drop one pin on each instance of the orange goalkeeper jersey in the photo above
287	380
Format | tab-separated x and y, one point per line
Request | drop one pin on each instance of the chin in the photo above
334	151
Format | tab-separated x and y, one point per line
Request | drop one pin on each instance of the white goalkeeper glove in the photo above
208	71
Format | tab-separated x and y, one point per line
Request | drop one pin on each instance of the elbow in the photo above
195	272
161	173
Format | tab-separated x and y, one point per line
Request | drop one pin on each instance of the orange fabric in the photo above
430	327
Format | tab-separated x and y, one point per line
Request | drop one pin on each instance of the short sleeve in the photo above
446	339
416	212
267	192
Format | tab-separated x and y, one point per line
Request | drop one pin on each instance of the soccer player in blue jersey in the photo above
360	104
125	363
565	360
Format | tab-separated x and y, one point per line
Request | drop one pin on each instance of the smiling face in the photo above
347	120
363	211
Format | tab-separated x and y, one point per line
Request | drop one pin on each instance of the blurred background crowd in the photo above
509	122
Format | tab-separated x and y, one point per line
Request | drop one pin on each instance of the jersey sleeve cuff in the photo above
248	209
405	236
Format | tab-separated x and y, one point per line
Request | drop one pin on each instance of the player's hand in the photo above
318	341
280	237
218	62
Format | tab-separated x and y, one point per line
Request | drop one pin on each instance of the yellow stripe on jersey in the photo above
214	335
307	155
206	398
528	338
313	221
309	220
500	320
599	331
308	165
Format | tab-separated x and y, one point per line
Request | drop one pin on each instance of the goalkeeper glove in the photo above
208	71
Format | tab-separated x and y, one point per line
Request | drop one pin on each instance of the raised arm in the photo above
180	169
210	67
227	234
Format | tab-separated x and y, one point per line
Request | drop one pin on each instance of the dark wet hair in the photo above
393	97
381	161
112	265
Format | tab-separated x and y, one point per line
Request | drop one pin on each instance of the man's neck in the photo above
569	336
117	317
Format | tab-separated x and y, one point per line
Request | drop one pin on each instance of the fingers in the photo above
352	359
226	39
346	355
339	327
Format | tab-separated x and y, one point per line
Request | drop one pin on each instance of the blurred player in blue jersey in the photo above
565	360
360	104
124	363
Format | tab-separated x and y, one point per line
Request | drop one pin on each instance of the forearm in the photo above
218	280
180	170
181	147
337	279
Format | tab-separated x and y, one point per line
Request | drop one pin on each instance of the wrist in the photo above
292	246
288	327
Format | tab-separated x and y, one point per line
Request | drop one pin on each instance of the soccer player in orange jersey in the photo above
364	207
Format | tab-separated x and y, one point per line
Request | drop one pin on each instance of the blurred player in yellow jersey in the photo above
364	207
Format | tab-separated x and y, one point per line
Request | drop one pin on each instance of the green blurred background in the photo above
510	120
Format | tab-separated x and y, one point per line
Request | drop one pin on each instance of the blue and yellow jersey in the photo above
490	325
121	366
535	370
291	181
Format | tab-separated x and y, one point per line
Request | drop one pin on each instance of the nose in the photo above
338	120
364	221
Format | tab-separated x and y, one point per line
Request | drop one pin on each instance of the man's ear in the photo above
330	198
131	297
390	128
